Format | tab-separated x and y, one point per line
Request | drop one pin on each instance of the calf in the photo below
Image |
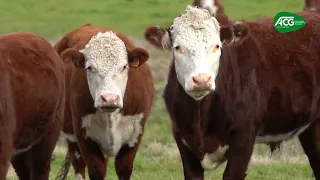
109	96
231	87
31	104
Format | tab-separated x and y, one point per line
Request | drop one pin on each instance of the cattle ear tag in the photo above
135	63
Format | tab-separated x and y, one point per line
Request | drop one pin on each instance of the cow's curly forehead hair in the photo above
105	44
197	18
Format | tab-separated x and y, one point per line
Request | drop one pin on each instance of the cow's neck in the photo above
113	130
199	119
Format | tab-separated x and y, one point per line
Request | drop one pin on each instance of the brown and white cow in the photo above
109	96
312	5
31	104
231	87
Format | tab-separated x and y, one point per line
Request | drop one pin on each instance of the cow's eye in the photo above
179	49
215	48
125	68
89	68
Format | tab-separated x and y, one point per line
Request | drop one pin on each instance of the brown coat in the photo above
267	85
31	104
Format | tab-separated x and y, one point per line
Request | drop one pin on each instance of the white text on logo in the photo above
285	21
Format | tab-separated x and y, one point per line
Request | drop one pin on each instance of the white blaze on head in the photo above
196	48
106	62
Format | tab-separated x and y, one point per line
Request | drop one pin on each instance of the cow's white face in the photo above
107	60
106	64
196	48
196	42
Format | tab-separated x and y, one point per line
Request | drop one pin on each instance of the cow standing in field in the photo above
31	104
109	96
231	87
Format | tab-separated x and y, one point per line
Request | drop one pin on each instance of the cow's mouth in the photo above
108	109
198	94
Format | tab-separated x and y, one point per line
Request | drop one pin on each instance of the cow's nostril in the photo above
117	99
103	99
195	79
209	79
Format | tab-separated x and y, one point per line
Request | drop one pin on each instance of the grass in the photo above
158	156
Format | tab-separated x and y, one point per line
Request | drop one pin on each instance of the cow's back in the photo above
34	78
289	61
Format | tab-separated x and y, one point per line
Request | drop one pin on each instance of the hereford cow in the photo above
231	87
110	92
31	104
312	5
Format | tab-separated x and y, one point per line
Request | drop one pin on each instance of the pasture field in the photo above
158	157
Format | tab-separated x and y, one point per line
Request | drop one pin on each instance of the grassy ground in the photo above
158	157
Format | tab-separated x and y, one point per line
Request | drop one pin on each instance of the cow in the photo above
110	92
31	104
312	5
230	87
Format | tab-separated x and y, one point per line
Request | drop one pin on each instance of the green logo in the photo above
287	22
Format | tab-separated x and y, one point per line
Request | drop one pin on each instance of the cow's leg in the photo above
41	154
310	141
21	164
92	157
5	152
192	168
124	161
241	144
76	160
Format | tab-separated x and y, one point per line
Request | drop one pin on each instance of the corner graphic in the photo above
287	22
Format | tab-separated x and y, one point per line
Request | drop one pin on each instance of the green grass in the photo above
158	157
53	18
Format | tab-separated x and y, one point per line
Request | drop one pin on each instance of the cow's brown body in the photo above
31	104
268	84
138	99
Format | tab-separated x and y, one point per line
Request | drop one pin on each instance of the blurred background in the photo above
158	156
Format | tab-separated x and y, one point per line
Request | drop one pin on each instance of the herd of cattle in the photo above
231	84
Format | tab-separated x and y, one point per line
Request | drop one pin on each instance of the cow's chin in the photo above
198	95
108	109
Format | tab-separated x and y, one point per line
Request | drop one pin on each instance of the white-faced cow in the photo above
231	87
109	96
31	104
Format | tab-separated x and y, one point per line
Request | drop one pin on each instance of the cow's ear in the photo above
234	33
76	56
158	37
137	57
